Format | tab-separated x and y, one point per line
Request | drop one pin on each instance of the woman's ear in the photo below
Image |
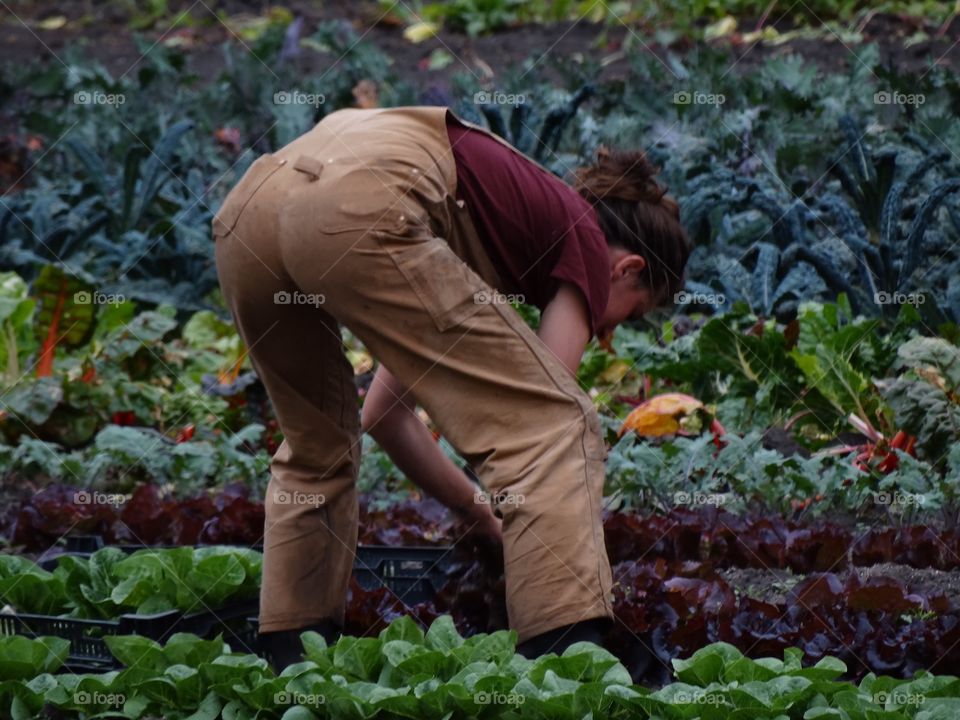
623	262
636	264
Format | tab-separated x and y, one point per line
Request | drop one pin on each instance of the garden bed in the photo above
492	54
783	476
409	671
773	586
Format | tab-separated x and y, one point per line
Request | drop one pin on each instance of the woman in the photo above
413	227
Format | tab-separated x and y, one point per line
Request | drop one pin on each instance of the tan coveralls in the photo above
357	222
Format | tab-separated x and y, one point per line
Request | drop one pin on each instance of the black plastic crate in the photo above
88	648
74	544
413	574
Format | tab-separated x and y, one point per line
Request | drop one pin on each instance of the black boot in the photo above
559	639
283	647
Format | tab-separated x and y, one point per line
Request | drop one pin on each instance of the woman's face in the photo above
630	297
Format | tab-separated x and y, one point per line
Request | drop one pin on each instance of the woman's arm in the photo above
389	415
565	325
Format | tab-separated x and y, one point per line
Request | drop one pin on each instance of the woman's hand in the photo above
483	534
389	415
480	522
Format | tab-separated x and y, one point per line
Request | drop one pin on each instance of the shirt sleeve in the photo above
584	261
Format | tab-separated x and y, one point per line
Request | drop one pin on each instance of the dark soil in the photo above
774	585
104	30
783	441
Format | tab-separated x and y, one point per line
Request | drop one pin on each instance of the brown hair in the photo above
635	213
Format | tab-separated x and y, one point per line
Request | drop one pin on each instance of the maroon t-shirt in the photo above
536	229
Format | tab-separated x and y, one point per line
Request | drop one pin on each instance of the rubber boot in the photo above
283	647
638	660
559	639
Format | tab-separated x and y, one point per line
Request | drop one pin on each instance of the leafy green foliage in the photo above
113	408
815	370
745	476
924	397
720	363
22	659
523	116
16	310
829	341
64	315
775	218
477	17
26	585
405	672
120	457
121	227
111	582
773	267
130	200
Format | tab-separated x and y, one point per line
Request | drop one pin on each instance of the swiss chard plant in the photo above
812	371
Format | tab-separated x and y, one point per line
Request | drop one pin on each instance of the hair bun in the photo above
620	174
635	213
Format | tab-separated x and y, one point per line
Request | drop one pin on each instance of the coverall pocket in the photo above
353	197
257	174
448	288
